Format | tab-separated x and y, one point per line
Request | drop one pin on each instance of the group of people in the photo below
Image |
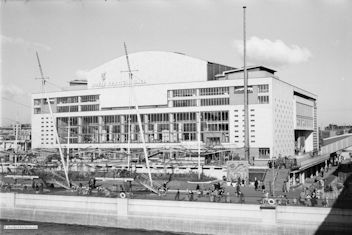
259	185
215	193
310	196
38	187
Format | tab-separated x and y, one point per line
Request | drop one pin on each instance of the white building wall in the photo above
42	131
283	119
153	67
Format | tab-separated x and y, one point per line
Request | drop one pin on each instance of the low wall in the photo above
175	216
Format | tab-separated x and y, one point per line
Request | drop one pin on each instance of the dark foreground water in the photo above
56	229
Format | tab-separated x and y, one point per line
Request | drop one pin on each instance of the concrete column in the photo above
199	126
180	127
171	119
133	132
316	170
100	129
124	139
302	177
294	179
155	131
79	119
110	134
146	130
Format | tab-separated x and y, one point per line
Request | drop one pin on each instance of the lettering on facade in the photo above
104	84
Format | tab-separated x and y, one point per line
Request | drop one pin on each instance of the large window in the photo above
263	88
214	101
158	127
264	152
37	101
240	89
64	109
90	98
94	107
263	99
184	92
184	103
214	91
65	100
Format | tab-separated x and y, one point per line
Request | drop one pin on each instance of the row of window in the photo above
214	102
304	122
263	88
214	91
184	103
70	99
92	107
90	98
263	99
304	110
65	100
64	109
184	92
211	116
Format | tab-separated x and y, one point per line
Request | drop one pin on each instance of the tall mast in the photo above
52	118
130	75
138	118
246	126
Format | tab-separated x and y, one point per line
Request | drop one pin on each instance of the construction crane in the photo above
43	78
138	115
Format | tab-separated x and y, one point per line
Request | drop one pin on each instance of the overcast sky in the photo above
309	43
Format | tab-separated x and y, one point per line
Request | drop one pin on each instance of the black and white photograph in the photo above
165	117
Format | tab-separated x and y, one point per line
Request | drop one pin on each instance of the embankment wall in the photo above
174	216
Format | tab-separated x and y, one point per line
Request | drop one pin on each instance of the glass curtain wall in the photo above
157	127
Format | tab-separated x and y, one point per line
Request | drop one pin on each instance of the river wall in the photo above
174	216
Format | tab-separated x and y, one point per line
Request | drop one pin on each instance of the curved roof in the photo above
149	67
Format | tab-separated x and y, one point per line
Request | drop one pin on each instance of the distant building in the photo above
8	137
333	130
180	99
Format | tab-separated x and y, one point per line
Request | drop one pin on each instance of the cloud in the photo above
11	91
24	43
82	74
275	53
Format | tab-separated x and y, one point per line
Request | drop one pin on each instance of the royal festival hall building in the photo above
180	100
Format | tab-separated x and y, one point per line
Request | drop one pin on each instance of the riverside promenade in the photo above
174	216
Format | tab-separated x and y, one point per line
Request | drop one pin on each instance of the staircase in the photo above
270	175
143	180
281	177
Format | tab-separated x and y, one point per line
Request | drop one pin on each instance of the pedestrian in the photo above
197	187
41	188
263	187
191	196
287	186
238	190
308	200
177	196
255	183
284	187
241	198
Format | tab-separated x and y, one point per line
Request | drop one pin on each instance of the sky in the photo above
308	42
